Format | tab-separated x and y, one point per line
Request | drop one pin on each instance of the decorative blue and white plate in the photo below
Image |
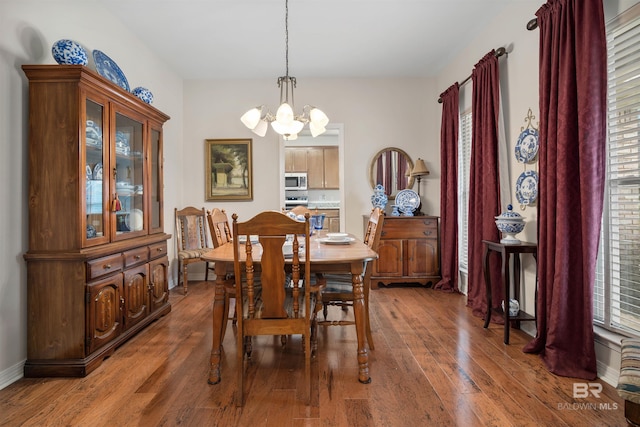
407	200
108	69
527	146
527	187
69	52
97	171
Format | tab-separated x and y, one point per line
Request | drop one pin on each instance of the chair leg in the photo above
206	271
185	278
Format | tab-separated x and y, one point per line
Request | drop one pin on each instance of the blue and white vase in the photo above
395	211
379	199
69	52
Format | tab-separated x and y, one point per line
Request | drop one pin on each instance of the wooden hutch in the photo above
97	265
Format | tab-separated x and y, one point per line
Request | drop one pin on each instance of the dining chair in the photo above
284	304
191	241
221	234
300	210
338	288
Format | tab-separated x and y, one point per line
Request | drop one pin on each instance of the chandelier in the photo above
285	122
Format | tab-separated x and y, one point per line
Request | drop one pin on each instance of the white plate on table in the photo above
334	241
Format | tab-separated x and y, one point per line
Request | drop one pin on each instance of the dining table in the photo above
326	257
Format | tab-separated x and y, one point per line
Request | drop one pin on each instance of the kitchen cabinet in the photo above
409	251
320	163
295	159
97	259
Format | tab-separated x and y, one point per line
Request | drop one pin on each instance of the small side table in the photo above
506	250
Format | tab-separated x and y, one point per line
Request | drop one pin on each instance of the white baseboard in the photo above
11	374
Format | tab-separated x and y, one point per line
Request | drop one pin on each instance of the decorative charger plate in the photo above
527	146
527	187
108	69
97	171
135	220
407	199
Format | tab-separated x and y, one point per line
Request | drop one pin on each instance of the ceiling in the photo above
211	39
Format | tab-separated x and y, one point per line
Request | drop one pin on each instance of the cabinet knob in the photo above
107	266
137	257
159	249
427	233
383	233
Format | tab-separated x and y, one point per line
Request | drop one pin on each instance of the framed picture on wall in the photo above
228	172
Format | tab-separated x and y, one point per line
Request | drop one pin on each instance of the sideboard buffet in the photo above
409	251
97	264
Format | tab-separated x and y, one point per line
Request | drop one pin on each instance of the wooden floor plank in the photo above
434	364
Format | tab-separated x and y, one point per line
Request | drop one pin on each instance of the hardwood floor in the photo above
434	365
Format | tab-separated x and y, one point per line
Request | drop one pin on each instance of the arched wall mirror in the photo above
391	168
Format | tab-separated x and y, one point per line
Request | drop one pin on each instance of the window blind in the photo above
617	287
464	164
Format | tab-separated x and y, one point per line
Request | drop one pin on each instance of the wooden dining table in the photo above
325	258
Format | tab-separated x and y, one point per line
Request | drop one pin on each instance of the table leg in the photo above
487	282
219	321
516	283
360	320
505	281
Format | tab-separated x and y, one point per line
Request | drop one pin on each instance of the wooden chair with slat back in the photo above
285	302
191	241
221	234
338	290
300	210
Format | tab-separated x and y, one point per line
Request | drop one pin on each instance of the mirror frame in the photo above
374	161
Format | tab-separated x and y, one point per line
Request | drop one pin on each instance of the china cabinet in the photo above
97	265
409	251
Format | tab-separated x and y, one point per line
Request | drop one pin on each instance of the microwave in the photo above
295	181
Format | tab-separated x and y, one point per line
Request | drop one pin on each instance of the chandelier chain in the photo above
286	36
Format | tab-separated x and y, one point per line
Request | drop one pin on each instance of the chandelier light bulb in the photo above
251	117
284	115
316	129
261	128
317	116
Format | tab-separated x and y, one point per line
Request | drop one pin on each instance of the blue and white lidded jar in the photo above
379	199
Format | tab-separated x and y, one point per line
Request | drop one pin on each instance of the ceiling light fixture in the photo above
285	122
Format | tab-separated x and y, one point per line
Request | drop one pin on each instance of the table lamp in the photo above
419	170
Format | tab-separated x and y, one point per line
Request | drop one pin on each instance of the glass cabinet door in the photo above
128	176
96	187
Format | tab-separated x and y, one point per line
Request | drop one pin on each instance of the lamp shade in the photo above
251	117
420	169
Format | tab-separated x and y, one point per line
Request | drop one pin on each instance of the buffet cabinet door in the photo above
104	311
159	286
136	295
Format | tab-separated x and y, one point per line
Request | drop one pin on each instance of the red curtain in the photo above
449	189
484	182
573	79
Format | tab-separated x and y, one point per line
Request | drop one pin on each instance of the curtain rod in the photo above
499	52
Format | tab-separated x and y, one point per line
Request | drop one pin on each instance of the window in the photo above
617	287
464	164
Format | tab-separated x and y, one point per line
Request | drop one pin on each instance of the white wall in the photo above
27	30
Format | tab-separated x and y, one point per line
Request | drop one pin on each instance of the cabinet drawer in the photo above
136	256
410	229
103	266
158	250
